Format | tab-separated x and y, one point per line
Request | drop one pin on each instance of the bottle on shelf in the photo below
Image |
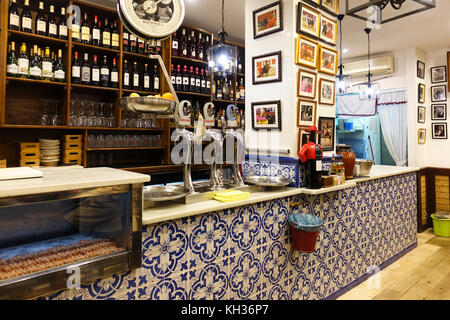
60	70
231	90
126	40
179	79
41	21
183	52
96	32
141	46
126	75
206	46
52	25
26	18
14	18
173	76
203	82
200	48
192	46
12	65
151	45
191	79
198	81
208	82
86	30
76	69
133	43
175	44
62	26
213	87
226	90
47	65
136	77
115	37
95	72
35	65
185	79
219	90
146	77
114	74
76	29
23	62
86	70
106	35
158	47
241	94
156	79
105	74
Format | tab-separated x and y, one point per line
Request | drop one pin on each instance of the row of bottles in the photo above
39	64
190	44
134	44
97	33
135	79
191	79
91	71
223	89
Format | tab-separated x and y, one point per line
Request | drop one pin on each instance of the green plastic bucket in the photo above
441	226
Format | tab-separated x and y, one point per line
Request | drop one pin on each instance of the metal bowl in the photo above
365	166
148	105
268	181
164	193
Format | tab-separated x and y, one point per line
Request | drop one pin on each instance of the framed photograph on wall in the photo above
303	137
439	130
306	85
421	113
439	112
439	93
328	60
330	5
268	20
420	69
306	115
421	93
308	20
326	138
267	68
422	136
266	115
327	92
307	52
439	74
328	29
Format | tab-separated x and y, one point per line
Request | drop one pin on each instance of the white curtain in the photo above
392	108
349	106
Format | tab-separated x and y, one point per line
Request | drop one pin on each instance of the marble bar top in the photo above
177	211
57	179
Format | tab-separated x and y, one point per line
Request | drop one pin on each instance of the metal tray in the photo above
268	181
164	193
148	105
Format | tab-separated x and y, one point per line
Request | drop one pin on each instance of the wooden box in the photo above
2	163
30	163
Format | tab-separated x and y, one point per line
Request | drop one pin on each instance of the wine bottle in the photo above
26	18
185	79
208	83
96	32
191	79
175	44
226	90
60	70
198	81
95	72
184	44
231	90
203	82
173	77
192	46
41	22
133	43
86	71
105	73
126	40
200	48
114	74
47	65
106	35
14	19
115	37
179	79
85	30
76	29
158	47
76	69
126	75
141	46
24	62
156	78
151	45
241	90
146	76
12	66
136	77
219	90
52	25
35	65
62	27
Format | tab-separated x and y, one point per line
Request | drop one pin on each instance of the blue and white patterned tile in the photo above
174	287
245	228
274	221
210	282
301	288
321	280
245	274
274	265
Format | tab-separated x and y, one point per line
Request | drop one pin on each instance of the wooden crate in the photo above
2	163
68	139
30	154
30	163
73	153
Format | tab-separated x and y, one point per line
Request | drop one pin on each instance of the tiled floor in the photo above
422	274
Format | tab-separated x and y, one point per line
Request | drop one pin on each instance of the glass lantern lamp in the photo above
368	90
343	81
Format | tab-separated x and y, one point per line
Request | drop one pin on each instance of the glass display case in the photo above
44	237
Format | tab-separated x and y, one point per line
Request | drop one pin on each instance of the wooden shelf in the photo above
84	86
47	82
125	148
138	55
36	37
92	47
25	126
145	93
193	94
189	60
224	101
240	74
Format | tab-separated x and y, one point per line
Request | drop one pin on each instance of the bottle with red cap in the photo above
311	156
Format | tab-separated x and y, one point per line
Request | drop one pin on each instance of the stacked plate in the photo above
50	152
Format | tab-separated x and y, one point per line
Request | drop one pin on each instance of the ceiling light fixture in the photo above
343	82
368	90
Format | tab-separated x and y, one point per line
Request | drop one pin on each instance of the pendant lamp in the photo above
368	90
343	82
222	58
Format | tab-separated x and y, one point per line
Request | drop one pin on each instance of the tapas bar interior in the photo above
224	149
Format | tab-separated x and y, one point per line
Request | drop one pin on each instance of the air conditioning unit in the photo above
379	66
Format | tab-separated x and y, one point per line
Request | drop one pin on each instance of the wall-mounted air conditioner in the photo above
379	66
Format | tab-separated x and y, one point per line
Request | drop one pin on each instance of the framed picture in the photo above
328	29
439	93
421	113
421	93
438	74
306	113
439	130
420	69
326	138
266	115
303	137
308	20
330	5
267	20
439	112
306	86
422	136
328	60
327	92
267	68
307	52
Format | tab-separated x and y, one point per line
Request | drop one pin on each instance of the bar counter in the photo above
242	250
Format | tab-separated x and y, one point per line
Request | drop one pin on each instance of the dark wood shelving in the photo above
92	47
84	86
37	37
125	148
145	93
193	94
189	60
240	74
47	82
224	101
137	55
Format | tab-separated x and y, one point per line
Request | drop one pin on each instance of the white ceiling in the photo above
427	30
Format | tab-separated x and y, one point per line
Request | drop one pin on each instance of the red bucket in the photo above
304	241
